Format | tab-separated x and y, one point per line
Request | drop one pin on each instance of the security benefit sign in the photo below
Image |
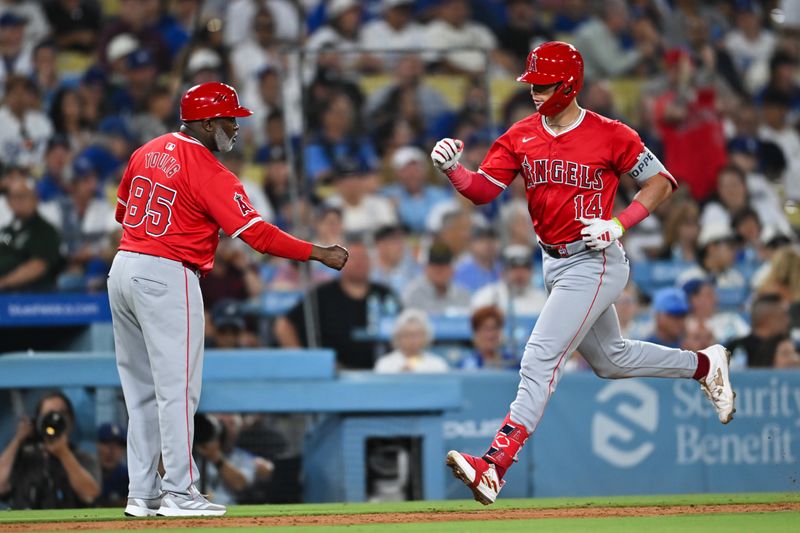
648	436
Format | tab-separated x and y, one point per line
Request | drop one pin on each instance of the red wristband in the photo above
633	214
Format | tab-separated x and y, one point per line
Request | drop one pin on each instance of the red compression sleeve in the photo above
472	185
268	239
633	214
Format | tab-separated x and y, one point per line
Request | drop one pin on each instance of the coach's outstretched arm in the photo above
268	239
472	185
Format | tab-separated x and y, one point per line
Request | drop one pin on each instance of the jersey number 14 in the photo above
588	208
149	205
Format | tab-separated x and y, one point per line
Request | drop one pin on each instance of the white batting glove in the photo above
599	234
446	153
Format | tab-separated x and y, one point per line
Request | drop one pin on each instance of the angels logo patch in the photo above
244	207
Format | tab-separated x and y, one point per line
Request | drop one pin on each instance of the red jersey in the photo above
570	175
176	197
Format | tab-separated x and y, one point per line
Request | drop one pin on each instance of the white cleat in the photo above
480	476
717	383
141	507
192	504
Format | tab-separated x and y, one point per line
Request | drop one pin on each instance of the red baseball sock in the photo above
702	366
509	439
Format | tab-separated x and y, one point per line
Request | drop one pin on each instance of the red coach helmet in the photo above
211	100
555	62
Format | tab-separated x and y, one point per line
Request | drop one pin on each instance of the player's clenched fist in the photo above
599	234
331	256
446	153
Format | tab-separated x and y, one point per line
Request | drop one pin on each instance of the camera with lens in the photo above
51	425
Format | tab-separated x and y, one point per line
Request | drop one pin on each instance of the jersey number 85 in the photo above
151	205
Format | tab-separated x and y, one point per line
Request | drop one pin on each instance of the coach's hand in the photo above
446	153
599	234
331	256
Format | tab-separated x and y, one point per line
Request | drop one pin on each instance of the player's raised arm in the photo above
475	186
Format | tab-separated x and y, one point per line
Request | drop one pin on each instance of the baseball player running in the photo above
571	160
173	199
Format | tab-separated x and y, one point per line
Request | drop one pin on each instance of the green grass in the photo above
773	522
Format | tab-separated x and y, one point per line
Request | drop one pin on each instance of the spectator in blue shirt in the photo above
413	198
670	307
482	265
338	147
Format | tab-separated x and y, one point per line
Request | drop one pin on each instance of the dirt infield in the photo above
393	518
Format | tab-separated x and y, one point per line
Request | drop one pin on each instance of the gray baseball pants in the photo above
157	311
579	314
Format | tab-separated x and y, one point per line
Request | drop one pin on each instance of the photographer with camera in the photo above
40	469
225	470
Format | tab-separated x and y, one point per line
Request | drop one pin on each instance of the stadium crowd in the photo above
348	98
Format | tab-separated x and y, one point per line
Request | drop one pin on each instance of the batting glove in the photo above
599	234
446	153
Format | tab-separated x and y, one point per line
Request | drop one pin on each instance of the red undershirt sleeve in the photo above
268	239
473	185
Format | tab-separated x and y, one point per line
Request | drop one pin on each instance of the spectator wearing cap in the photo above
409	192
435	290
393	263
29	245
670	309
140	19
85	222
488	345
335	46
337	146
515	294
481	266
139	77
36	27
74	27
349	311
57	171
703	302
111	148
451	29
26	129
750	43
776	128
716	257
769	321
363	212
111	444
117	52
16	56
228	325
411	338
394	31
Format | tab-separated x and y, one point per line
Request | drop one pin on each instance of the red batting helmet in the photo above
211	100
555	62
